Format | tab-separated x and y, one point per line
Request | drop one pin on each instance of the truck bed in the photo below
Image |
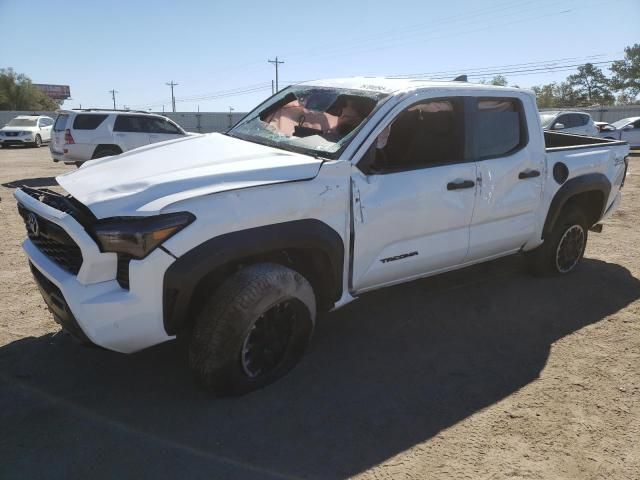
555	141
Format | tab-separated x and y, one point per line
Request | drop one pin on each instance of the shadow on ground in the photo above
32	182
384	374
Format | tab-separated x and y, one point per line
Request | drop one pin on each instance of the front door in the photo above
631	134
45	125
413	196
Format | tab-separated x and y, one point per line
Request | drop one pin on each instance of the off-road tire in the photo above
219	338
106	152
546	259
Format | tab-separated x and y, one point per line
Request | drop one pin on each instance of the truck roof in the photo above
393	84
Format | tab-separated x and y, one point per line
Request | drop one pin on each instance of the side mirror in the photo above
628	127
558	126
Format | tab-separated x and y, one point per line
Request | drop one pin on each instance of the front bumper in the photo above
93	302
58	306
19	140
72	153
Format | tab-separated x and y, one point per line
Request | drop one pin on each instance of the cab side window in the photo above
564	120
498	128
161	125
425	135
583	120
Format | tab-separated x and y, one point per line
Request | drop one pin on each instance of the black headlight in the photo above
139	236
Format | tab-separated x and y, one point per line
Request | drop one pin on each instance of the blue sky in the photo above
213	49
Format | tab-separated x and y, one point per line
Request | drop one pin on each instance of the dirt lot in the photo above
485	373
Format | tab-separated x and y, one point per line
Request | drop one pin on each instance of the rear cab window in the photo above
88	121
61	122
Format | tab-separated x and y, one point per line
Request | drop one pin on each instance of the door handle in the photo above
528	174
460	185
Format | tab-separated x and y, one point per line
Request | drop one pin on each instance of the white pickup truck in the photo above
326	190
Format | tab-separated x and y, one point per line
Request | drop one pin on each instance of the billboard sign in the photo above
57	92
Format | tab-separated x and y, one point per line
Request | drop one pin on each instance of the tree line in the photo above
589	86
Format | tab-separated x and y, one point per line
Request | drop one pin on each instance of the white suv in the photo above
81	135
32	130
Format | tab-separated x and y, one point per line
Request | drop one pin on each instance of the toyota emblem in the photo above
32	225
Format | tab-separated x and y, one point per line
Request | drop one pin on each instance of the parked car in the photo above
327	190
81	135
578	123
628	130
31	130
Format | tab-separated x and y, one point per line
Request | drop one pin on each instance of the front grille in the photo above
122	274
11	134
52	240
50	198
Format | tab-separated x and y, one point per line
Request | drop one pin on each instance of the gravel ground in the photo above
484	373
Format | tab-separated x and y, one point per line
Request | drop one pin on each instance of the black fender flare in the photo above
580	184
184	275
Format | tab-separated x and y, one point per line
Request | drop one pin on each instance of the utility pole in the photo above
276	62
173	99
231	117
113	95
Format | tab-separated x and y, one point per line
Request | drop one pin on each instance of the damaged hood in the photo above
146	180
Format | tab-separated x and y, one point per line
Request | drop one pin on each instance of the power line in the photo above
526	68
494	67
533	69
173	98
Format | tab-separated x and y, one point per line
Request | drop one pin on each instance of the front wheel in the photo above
38	142
564	247
253	330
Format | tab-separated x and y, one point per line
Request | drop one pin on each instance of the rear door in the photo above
57	133
131	131
510	176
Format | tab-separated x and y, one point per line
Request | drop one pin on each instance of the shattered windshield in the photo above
313	120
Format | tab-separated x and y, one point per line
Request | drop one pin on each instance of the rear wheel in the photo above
564	247
253	330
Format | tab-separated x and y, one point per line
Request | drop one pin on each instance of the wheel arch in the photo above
589	191
103	146
309	246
